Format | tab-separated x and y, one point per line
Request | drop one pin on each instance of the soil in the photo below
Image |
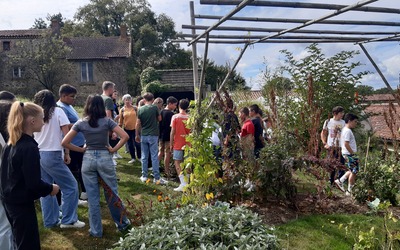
276	212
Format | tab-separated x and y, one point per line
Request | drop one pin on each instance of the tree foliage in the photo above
364	90
43	60
335	78
215	74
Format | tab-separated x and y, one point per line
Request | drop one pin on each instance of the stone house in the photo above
94	60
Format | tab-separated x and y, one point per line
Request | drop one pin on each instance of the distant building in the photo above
94	59
379	116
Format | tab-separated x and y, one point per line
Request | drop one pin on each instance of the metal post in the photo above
376	67
194	54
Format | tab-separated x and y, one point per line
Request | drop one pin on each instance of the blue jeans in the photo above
132	145
98	163
149	143
53	169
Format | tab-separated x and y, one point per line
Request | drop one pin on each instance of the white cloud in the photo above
21	15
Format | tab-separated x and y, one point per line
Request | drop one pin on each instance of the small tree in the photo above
44	60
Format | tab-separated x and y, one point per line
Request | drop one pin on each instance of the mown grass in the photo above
338	231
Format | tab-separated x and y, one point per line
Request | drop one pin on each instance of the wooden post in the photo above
194	54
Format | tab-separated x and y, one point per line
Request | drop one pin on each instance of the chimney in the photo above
55	27
123	30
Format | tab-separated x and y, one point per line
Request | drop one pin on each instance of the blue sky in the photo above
21	15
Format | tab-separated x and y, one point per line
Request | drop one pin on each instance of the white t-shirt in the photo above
49	139
334	128
347	135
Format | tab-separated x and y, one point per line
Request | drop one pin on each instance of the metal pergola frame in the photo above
295	34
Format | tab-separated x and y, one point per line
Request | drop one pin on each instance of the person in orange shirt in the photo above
178	141
127	121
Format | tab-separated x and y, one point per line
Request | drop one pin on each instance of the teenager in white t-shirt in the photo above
349	150
330	137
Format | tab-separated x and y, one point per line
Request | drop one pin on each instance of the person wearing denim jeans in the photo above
147	127
53	170
97	165
53	165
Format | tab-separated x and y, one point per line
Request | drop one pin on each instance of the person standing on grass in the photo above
179	131
165	132
349	150
330	137
67	95
97	163
127	120
108	91
53	165
21	182
147	134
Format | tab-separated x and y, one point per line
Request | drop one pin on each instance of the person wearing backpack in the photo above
330	137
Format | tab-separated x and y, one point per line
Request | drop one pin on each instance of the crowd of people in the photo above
48	148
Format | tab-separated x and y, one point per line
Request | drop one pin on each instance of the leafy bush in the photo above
156	87
149	75
380	178
202	228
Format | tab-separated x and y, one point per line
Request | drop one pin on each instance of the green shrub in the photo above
379	179
202	228
156	87
149	75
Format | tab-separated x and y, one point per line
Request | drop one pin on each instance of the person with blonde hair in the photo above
21	182
127	120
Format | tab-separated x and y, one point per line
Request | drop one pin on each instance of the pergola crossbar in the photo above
291	20
257	29
287	4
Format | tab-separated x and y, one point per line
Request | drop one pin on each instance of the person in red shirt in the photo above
178	141
247	131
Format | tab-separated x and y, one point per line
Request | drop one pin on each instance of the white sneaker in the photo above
77	224
160	181
82	203
180	188
114	162
118	155
339	185
143	179
131	161
348	193
83	196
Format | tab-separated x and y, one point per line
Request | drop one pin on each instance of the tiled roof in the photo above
379	98
378	122
98	47
20	34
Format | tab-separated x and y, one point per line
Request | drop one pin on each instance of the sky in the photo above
21	14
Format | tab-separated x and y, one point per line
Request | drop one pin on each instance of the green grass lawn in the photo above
338	231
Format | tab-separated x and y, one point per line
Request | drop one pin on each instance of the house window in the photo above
86	72
6	45
18	72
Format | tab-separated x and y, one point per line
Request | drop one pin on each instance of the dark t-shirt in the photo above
165	124
148	115
258	131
